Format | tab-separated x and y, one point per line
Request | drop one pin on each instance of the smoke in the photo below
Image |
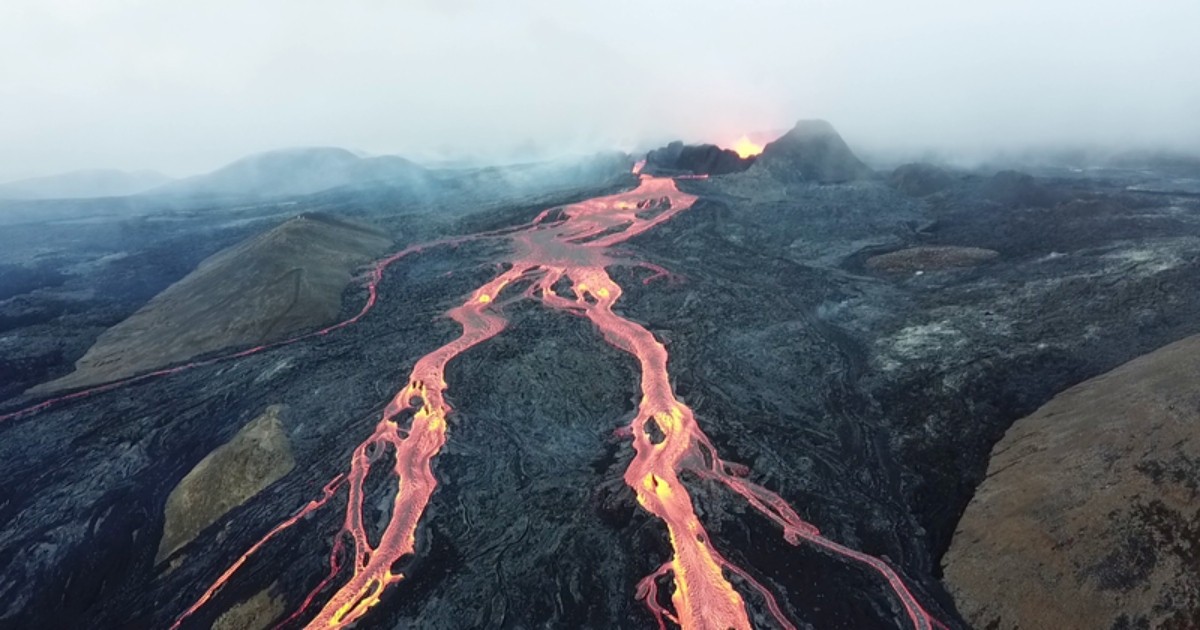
184	87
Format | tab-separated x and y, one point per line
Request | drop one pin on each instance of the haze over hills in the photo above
297	171
278	173
84	184
810	151
303	171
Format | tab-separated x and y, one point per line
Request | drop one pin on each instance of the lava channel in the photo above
570	244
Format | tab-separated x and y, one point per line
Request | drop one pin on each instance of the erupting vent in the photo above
745	147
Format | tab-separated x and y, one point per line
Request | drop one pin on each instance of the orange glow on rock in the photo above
745	147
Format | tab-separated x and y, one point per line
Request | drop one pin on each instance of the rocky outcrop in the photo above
813	152
1088	516
920	179
263	289
257	456
1014	188
930	258
702	159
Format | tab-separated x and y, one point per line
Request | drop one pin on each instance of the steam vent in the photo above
755	386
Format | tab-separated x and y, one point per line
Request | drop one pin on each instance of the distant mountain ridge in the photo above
302	171
84	184
298	171
279	173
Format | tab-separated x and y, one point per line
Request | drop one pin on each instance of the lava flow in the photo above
373	280
562	257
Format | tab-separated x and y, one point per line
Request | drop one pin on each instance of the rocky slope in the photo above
286	280
812	152
1088	516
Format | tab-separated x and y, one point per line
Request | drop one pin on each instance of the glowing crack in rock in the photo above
562	258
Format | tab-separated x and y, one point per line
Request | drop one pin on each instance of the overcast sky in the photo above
183	87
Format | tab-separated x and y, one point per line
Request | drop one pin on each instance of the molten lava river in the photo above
561	259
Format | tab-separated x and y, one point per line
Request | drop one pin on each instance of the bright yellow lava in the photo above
745	147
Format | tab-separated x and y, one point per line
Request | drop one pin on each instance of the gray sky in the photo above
183	86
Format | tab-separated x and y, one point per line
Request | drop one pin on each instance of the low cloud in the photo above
186	87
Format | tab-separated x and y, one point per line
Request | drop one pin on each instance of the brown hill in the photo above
1089	515
263	289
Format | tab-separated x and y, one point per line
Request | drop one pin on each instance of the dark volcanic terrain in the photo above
858	340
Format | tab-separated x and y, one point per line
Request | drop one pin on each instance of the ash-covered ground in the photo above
866	391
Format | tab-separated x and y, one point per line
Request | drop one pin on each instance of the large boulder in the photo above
813	152
266	288
1089	515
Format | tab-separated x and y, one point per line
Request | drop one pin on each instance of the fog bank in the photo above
184	87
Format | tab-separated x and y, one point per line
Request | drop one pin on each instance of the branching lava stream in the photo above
562	257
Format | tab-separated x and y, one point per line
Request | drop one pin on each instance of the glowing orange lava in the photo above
745	147
562	251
